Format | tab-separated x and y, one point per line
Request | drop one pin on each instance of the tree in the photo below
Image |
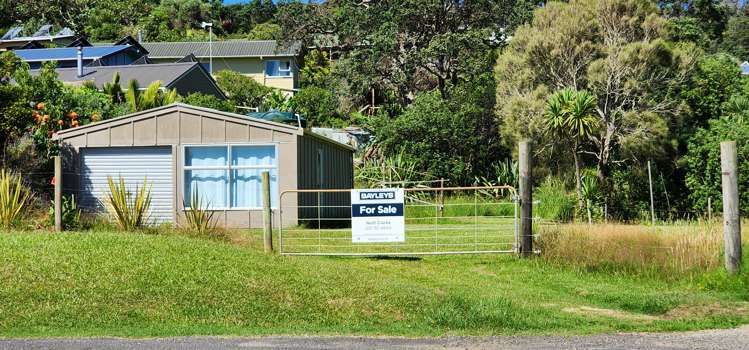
454	139
407	46
736	36
611	48
570	115
703	162
242	90
715	79
265	31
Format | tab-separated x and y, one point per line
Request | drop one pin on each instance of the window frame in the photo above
228	168
289	70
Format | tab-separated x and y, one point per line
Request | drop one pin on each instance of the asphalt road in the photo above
712	339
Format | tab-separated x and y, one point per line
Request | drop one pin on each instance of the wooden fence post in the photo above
652	203
442	198
58	194
731	215
267	215
526	198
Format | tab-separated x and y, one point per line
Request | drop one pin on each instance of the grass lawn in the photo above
127	284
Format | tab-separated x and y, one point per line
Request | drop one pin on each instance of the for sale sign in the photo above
377	215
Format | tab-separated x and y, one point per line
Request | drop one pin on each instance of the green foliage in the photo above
178	19
276	100
114	89
242	90
316	70
715	79
319	106
265	31
208	101
702	161
71	214
128	207
151	97
615	50
452	139
199	217
15	197
376	172
736	36
554	202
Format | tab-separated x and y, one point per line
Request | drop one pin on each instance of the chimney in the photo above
80	61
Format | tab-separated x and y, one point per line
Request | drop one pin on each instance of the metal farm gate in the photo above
450	220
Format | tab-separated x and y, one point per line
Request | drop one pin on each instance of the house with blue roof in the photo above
66	57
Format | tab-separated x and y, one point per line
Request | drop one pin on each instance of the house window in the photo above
230	176
278	68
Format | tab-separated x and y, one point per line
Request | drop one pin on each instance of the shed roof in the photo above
213	113
228	48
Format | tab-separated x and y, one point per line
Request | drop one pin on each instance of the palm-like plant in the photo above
131	212
114	90
570	114
153	96
14	198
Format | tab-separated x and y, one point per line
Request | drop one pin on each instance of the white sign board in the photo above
377	215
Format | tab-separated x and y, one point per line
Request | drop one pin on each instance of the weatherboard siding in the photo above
177	127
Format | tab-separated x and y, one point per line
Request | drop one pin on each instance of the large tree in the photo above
615	50
408	46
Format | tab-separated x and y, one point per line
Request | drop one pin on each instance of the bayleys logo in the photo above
377	195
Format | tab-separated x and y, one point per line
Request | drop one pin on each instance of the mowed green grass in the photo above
129	284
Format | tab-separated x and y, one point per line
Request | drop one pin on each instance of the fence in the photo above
450	220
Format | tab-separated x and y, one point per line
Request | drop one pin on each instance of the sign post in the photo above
377	215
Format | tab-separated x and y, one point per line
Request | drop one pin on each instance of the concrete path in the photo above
712	339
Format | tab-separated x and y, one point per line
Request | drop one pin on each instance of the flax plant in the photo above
14	197
131	212
199	219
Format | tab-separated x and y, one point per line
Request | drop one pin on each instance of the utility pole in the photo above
526	198
731	215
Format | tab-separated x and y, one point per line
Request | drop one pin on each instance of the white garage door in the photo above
133	164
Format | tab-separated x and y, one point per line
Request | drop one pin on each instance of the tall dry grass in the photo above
675	250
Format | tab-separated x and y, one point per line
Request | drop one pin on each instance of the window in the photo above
230	176
278	68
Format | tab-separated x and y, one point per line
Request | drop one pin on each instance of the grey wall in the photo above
337	173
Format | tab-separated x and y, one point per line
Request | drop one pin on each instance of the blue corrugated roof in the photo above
68	53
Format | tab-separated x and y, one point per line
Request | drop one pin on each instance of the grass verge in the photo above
116	284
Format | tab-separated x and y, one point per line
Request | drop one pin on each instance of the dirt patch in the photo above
618	314
705	310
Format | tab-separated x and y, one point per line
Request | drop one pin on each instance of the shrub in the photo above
241	90
555	203
130	212
208	101
319	106
14	198
199	219
71	214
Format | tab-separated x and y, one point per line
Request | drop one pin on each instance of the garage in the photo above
183	149
134	165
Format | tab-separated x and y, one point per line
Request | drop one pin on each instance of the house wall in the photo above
323	164
179	127
196	81
250	66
